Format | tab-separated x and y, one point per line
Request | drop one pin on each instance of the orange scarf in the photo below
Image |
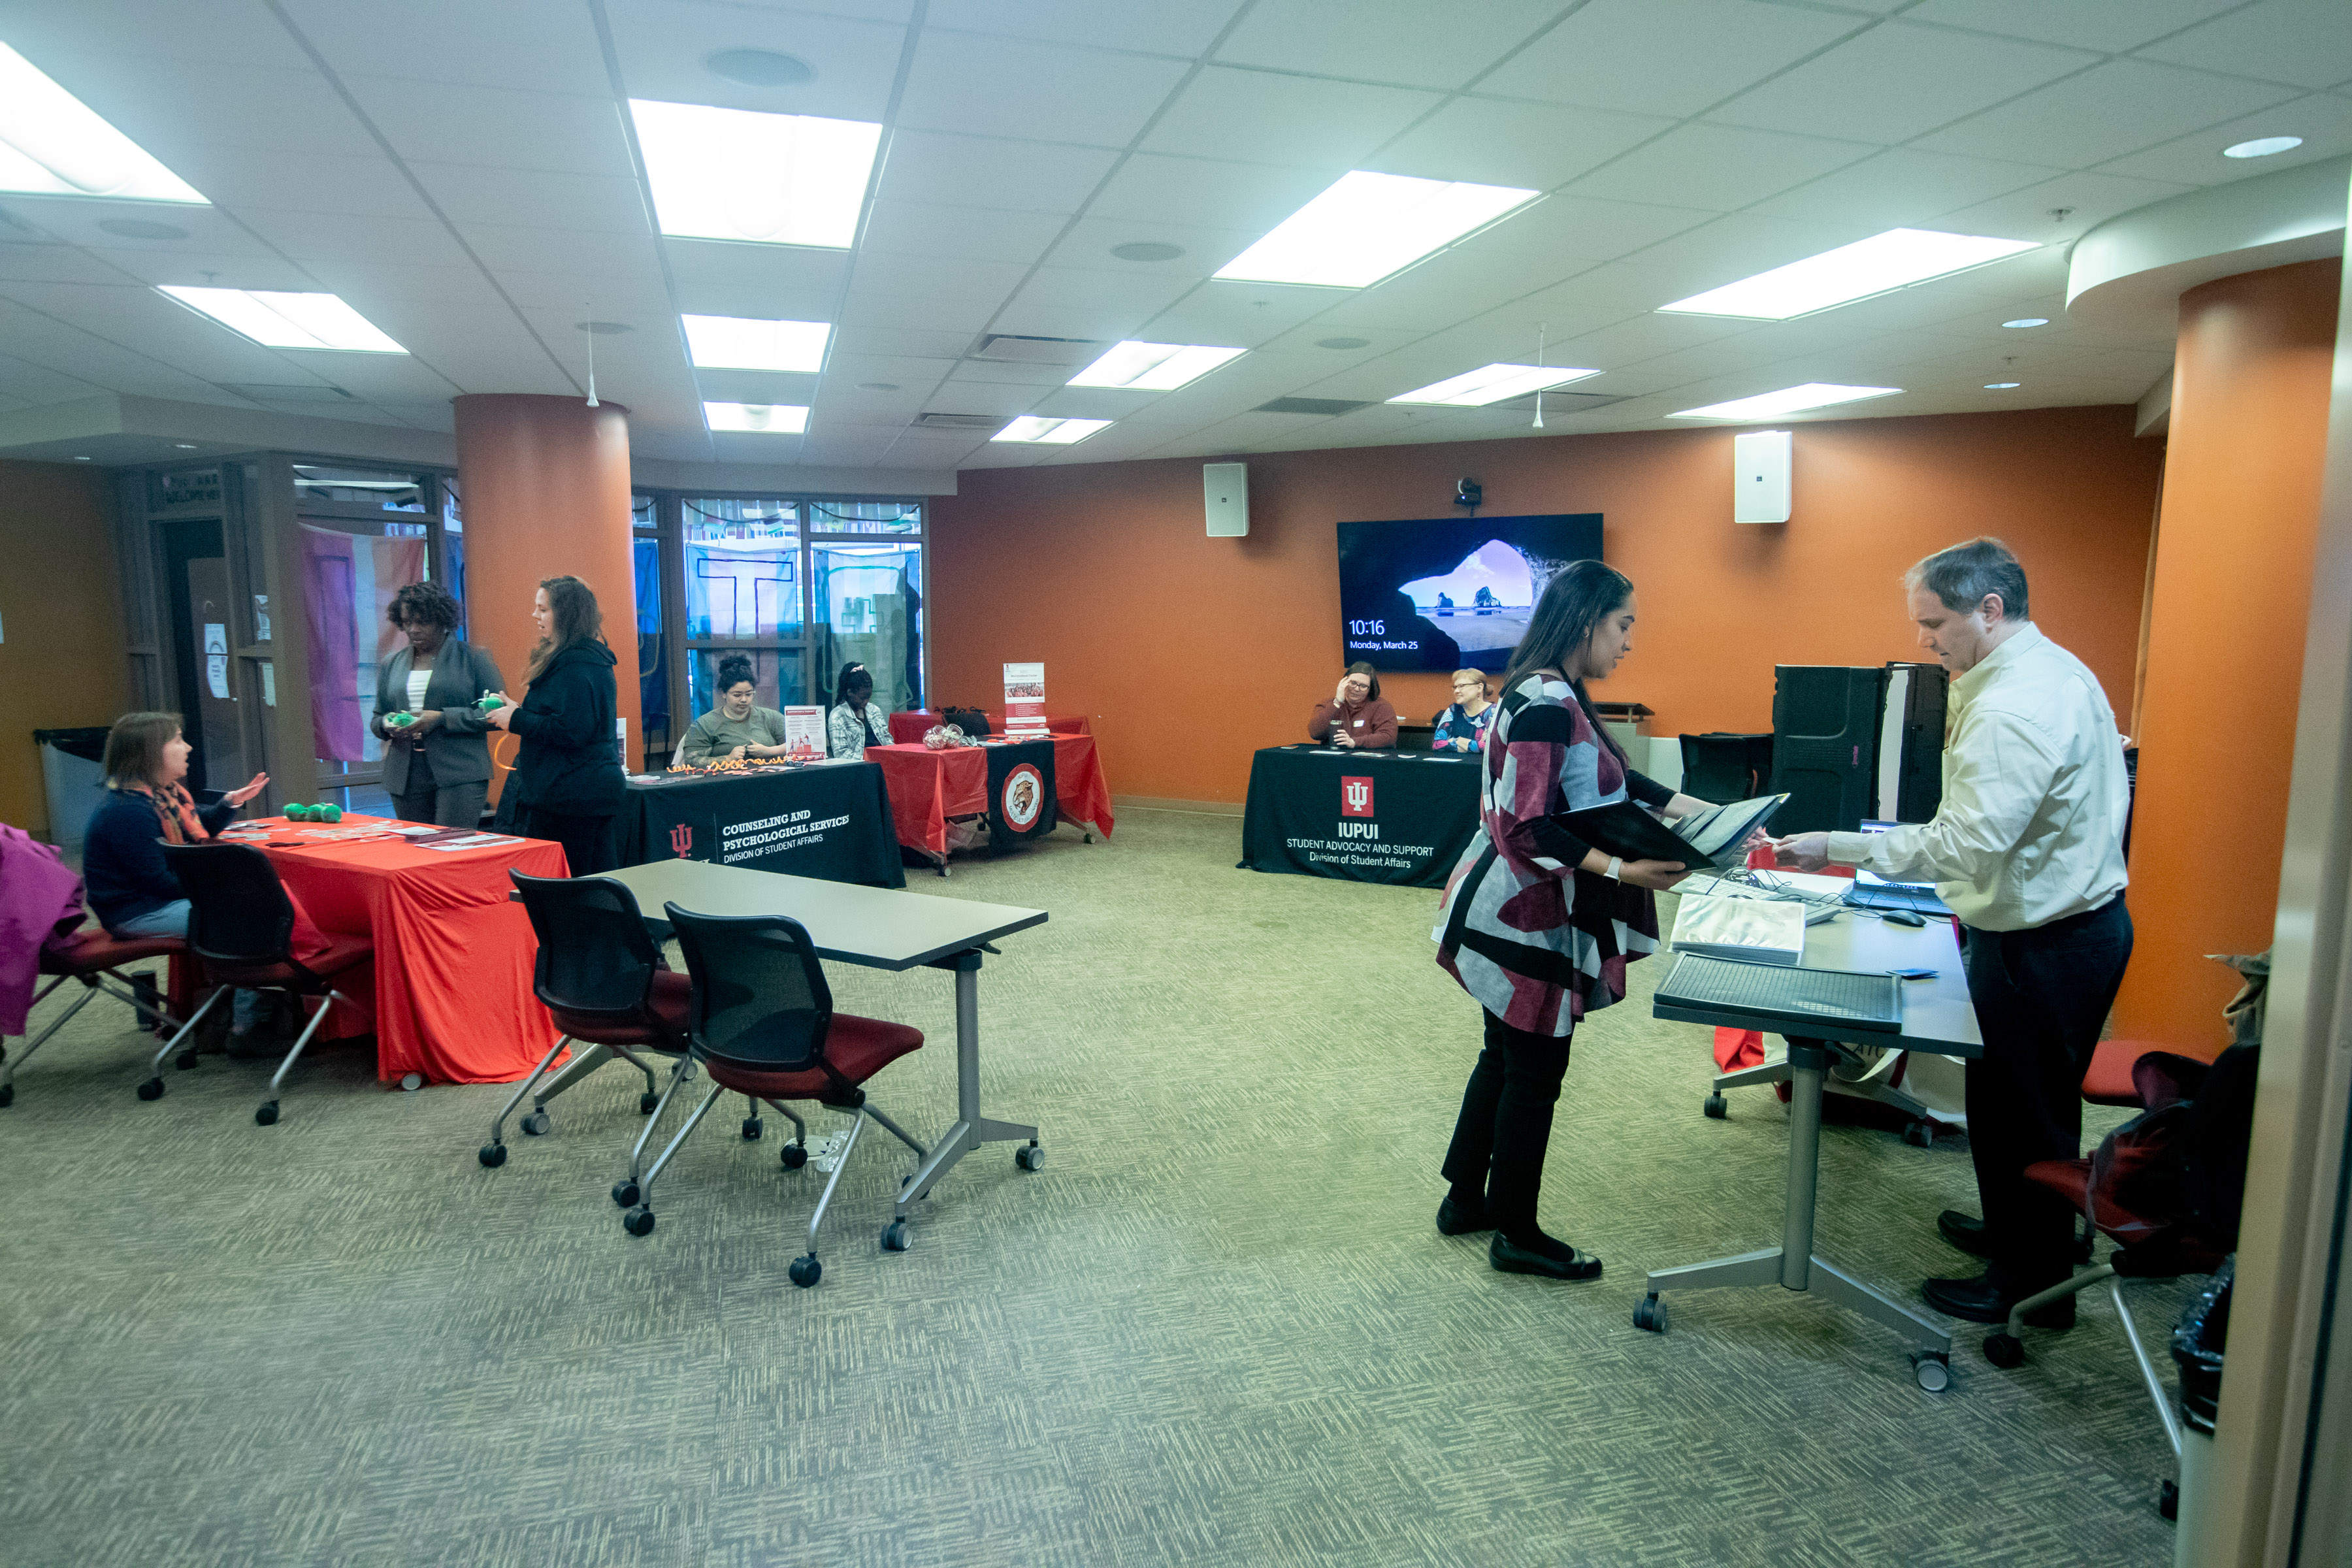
175	811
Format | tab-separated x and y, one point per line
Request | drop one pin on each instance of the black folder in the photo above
1710	840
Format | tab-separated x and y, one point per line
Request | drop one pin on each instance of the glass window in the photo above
453	546
743	570
869	610
776	672
653	666
641	511
348	580
358	486
865	517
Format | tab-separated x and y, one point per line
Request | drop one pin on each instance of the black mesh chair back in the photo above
1722	767
596	960
239	916
759	997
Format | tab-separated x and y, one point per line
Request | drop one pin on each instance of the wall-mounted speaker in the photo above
1224	494
1759	476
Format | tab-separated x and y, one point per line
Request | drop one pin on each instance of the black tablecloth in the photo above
1362	817
831	822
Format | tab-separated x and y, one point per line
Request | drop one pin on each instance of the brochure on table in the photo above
1024	701
804	739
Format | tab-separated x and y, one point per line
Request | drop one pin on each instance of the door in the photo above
195	574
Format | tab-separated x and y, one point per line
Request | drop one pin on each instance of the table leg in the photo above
971	1129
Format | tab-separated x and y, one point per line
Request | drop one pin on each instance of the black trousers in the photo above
449	805
587	840
1504	1128
2042	997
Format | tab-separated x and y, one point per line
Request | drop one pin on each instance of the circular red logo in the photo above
1024	796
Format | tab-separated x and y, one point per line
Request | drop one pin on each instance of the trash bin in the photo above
2198	1342
71	776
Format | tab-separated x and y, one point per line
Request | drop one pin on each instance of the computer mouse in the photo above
1903	918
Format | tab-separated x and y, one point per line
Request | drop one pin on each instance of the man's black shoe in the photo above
1509	1258
1965	1231
1979	1300
1462	1219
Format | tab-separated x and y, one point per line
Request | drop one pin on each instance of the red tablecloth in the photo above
928	787
451	992
910	727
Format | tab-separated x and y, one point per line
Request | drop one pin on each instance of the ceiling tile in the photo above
479	350
1030	177
1005	87
1902	188
1165	27
962	394
181	33
164	106
1090	241
549	44
959	233
372	186
1260	117
662	44
1207	193
751	386
1506	142
251	268
2029	214
309	236
76	220
1081	302
379	278
1897	81
1717	167
39	383
913	342
2107	25
2324	121
1663	56
2307	42
55	264
451	122
1404	41
588	204
1247	314
780	282
505	249
2109	111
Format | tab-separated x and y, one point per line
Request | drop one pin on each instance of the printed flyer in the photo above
1024	701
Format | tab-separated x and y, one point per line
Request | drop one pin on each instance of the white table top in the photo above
881	928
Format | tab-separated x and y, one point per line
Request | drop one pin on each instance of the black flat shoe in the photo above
1965	1231
1979	1300
1509	1258
1462	1219
252	1046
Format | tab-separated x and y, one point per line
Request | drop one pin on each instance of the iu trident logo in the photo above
1355	796
681	839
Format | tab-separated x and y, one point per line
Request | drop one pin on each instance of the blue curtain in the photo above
653	675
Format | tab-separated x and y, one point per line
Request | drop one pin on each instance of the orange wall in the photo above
1189	653
2226	627
61	662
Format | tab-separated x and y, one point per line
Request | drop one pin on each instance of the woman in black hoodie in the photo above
566	782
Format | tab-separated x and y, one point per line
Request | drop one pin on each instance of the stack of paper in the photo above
1757	931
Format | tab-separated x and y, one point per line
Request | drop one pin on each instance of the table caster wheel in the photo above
1031	1158
267	1115
410	1082
493	1155
184	1060
896	1236
152	1090
625	1194
646	1102
1920	1134
1650	1313
1090	838
1716	1107
752	1127
2004	1350
7	1095
1933	1369
537	1123
795	1156
805	1270
638	1221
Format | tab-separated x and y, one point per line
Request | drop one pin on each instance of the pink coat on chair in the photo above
40	905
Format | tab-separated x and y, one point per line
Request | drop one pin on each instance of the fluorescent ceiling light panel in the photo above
51	143
748	343
2262	147
1369	226
758	418
1895	259
1050	432
1153	367
768	179
1493	383
1788	400
281	321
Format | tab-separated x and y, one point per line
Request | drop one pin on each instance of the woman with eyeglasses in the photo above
1463	726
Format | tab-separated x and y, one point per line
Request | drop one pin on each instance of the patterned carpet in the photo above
1217	1328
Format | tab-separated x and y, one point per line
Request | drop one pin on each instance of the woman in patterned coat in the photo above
1536	925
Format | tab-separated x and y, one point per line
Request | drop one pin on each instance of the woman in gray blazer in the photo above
436	766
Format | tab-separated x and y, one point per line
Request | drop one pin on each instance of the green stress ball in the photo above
490	704
400	720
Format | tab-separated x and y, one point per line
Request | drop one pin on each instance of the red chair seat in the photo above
671	994
858	1047
343	950
2109	1080
97	953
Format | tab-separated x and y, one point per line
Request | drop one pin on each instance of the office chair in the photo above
241	923
600	976
1722	767
94	961
762	1023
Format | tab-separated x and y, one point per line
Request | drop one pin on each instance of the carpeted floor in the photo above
1218	1327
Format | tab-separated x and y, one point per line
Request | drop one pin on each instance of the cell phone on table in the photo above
1913	973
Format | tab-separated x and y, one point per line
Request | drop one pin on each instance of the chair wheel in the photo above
625	1194
494	1155
267	1115
1650	1313
1933	1369
2004	1349
152	1090
805	1270
2168	1500
184	1060
752	1127
1716	1107
1031	1158
537	1123
1920	1134
795	1156
646	1102
896	1236
638	1221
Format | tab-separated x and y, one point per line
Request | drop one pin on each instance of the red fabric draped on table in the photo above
910	727
928	787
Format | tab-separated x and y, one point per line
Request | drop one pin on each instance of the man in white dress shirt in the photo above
2027	849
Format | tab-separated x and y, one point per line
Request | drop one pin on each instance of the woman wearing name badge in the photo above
436	754
1537	926
853	724
739	727
567	774
1356	718
1463	726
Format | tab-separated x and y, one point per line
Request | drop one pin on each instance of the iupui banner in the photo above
804	739
1020	790
1024	701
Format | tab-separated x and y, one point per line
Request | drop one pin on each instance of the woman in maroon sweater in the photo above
1356	717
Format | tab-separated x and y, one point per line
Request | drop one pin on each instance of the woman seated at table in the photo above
131	889
738	727
854	725
436	765
1357	716
1463	726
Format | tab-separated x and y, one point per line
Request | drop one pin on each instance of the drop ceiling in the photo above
463	175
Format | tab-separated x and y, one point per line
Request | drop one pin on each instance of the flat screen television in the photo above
1451	592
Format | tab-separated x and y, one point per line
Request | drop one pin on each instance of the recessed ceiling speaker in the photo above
139	228
1147	250
1225	492
1759	476
759	67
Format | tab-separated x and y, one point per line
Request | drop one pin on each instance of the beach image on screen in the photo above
1451	593
1484	602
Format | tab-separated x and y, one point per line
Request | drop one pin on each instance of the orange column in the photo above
2225	639
545	483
